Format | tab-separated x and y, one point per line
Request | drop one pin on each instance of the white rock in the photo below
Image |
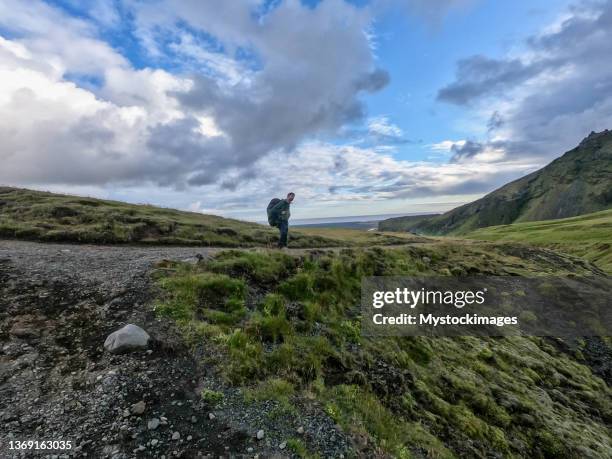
154	442
211	416
300	430
283	445
153	424
176	436
126	339
260	434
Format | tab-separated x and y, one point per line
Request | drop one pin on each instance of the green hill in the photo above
588	236
42	216
401	223
579	182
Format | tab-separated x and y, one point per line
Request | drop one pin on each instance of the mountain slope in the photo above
577	183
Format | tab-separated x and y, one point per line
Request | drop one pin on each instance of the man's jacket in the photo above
281	210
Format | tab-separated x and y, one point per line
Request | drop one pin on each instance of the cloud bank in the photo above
549	95
252	82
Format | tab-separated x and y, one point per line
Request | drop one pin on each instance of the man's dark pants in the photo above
283	226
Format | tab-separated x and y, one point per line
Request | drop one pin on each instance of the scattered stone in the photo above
300	430
426	260
153	424
194	419
126	339
283	445
189	437
138	408
260	434
211	416
176	436
154	442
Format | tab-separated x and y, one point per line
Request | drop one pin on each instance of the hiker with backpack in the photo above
278	216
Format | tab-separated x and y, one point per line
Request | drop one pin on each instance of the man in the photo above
281	211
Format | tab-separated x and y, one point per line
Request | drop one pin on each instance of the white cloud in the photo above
446	145
343	180
381	126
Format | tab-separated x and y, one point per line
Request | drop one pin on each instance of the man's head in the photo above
290	197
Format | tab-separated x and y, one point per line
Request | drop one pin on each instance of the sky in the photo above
359	107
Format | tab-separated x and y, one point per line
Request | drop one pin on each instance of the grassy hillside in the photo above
588	236
577	183
401	223
286	330
41	216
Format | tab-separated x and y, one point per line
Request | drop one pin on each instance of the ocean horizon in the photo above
351	218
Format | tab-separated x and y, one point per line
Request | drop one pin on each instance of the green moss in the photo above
297	446
255	266
211	397
276	389
297	335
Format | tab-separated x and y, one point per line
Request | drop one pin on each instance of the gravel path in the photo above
106	265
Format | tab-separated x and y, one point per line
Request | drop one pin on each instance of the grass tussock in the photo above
297	334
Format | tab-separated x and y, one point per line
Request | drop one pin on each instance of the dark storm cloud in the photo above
466	151
479	76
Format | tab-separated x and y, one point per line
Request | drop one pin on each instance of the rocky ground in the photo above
58	303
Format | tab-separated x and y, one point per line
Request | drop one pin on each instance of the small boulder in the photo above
128	338
176	436
260	434
138	408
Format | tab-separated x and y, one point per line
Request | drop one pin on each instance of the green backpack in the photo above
272	216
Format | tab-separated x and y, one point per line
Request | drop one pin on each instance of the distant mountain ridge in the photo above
579	182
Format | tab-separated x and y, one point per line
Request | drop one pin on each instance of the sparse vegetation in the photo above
298	337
